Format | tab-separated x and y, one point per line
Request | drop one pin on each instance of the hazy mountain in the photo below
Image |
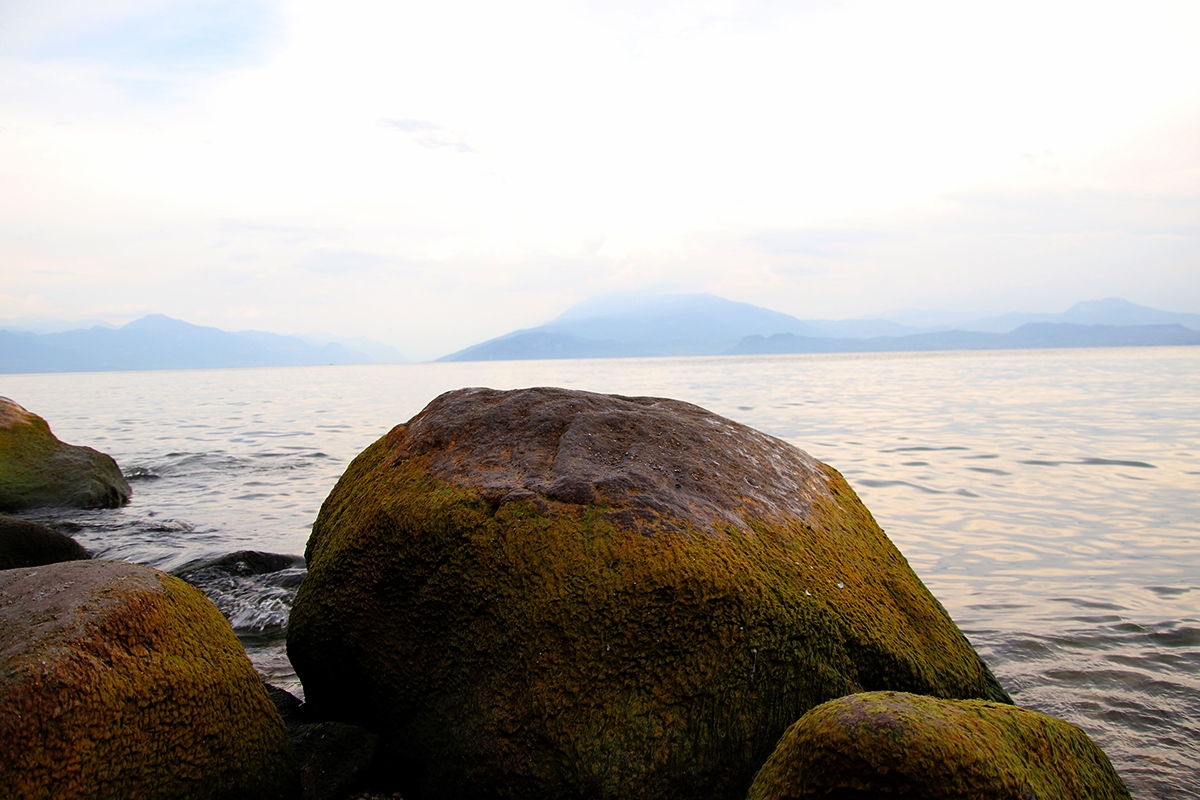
49	324
861	328
374	352
1110	311
644	324
159	342
1029	336
638	324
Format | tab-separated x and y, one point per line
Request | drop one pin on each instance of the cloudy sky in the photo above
433	174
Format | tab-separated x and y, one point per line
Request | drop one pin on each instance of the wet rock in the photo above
117	680
549	593
36	469
253	589
286	703
892	744
29	544
334	757
243	563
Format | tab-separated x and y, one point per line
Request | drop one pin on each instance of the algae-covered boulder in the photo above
550	594
36	469
892	744
24	543
120	681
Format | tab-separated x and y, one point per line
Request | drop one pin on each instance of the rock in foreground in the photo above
120	681
36	469
30	544
549	593
890	744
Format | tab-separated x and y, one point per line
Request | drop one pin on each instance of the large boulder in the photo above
548	593
36	469
892	744
120	681
24	543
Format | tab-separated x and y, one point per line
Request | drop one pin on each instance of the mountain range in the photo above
643	324
610	326
159	342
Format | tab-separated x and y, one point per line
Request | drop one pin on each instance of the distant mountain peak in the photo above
626	303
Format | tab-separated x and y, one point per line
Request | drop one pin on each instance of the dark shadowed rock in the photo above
891	744
36	469
117	680
548	593
334	757
286	703
29	544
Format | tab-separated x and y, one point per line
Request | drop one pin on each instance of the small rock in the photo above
29	544
893	744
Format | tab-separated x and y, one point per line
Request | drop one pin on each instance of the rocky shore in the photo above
540	593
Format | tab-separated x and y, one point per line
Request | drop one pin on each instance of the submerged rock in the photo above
36	469
30	544
891	744
118	681
253	589
333	757
548	593
242	563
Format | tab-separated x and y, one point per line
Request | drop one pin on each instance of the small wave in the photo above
1171	591
254	590
1111	462
881	484
1090	462
140	474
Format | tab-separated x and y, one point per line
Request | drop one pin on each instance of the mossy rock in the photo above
553	594
24	543
898	745
120	681
36	469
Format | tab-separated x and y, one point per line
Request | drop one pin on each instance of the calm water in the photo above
1050	499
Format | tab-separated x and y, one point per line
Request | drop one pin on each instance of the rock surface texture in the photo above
891	744
120	681
36	469
547	594
30	544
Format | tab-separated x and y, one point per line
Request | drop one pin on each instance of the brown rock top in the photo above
642	456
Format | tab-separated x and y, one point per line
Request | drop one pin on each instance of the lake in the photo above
1049	498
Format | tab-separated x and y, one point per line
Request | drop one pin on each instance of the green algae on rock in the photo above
548	593
36	469
120	681
892	744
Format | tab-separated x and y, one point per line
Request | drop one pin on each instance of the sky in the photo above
431	175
